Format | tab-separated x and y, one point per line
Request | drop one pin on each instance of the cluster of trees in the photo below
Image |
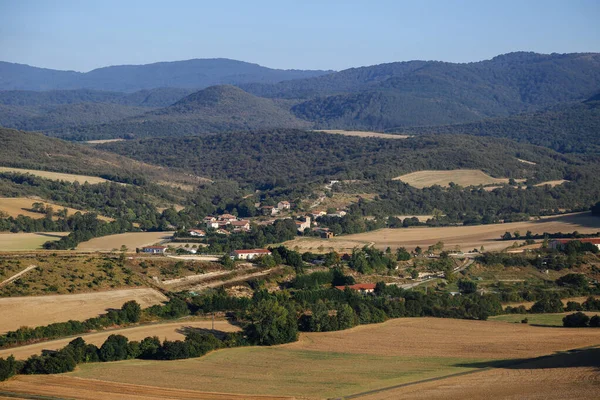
581	320
369	259
85	227
552	303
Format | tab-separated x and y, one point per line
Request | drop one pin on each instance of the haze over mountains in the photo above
386	97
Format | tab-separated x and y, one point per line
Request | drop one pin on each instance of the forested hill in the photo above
424	93
214	109
290	157
194	74
35	151
573	128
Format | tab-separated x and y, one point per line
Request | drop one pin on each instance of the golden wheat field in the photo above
462	177
364	134
15	206
131	240
57	176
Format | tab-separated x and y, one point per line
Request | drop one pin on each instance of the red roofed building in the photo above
197	232
249	254
361	287
558	243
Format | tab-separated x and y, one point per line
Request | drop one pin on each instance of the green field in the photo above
27	241
280	371
536	319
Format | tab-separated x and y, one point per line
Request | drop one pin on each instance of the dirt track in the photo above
32	311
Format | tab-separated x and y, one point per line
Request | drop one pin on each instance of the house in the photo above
283	205
325	233
249	254
209	219
559	243
241	225
212	224
302	225
227	218
222	232
269	210
317	214
339	214
360	287
154	249
197	232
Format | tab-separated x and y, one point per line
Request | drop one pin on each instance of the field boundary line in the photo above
507	363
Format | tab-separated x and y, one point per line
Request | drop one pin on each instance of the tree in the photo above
8	368
506	236
271	323
132	311
467	286
226	261
552	304
402	254
114	348
576	320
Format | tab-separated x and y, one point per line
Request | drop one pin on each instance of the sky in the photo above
301	34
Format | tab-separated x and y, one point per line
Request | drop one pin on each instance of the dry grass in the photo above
169	331
33	311
131	240
364	134
462	177
465	237
553	183
15	206
526	162
333	364
57	176
27	241
101	141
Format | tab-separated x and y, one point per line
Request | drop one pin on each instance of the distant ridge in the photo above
191	74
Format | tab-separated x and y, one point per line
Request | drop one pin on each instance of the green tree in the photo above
271	323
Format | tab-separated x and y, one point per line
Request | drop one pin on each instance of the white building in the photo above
249	254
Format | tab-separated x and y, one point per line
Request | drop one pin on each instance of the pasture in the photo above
27	241
15	206
333	364
56	176
131	240
464	237
537	319
462	177
364	134
167	330
35	311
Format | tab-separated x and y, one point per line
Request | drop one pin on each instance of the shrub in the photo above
576	320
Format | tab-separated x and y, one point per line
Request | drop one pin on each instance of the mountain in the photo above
214	109
571	128
420	93
191	74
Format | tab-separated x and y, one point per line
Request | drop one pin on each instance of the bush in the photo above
595	322
576	320
466	286
573	306
551	304
8	367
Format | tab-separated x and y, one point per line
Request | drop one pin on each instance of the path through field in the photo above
17	275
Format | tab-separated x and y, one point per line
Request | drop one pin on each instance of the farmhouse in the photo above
269	210
154	249
284	205
317	214
559	243
249	254
302	225
360	287
212	224
227	218
325	233
197	232
241	225
338	213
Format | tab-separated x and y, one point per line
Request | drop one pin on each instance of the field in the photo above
130	240
333	364
170	331
57	176
27	241
102	141
552	183
15	206
462	177
465	237
364	134
43	310
537	319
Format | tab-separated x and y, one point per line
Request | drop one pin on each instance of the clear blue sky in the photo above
307	34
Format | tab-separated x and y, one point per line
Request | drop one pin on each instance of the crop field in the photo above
27	241
537	319
42	310
130	240
169	330
462	177
465	237
333	364
57	176
15	206
364	134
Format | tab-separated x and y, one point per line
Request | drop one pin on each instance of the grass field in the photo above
462	177
130	240
465	237
27	241
57	176
169	330
101	141
43	310
333	364
537	319
15	206
552	183
364	134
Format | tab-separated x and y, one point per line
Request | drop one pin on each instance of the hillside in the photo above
36	151
571	128
411	93
215	109
194	74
